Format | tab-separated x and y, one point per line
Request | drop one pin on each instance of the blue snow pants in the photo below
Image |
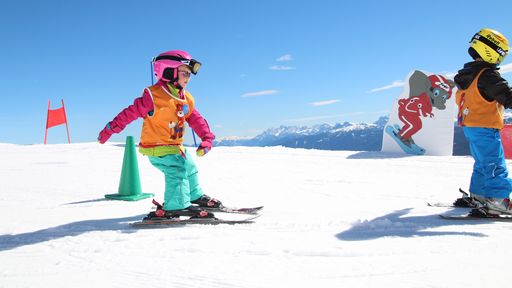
490	175
181	183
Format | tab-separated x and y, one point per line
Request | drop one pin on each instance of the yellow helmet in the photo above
490	45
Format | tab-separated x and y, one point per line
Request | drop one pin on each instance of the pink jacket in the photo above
144	105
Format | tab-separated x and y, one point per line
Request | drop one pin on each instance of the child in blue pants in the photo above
481	98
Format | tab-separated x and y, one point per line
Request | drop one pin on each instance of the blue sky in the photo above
266	63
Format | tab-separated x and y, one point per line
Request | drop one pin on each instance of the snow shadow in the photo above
394	225
88	201
377	155
12	241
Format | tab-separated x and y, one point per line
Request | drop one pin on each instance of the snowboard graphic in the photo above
409	148
421	121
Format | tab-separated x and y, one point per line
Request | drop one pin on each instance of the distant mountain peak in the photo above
340	136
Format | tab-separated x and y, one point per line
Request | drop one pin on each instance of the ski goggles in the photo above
192	63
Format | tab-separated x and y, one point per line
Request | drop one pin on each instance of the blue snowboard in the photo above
413	149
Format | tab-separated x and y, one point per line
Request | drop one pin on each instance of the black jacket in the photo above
491	85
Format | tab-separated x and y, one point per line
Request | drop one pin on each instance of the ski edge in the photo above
448	205
472	218
206	221
227	209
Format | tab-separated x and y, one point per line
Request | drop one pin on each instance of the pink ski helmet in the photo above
165	64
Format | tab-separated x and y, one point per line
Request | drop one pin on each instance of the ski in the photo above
440	204
479	214
465	202
222	208
447	205
166	222
502	218
226	209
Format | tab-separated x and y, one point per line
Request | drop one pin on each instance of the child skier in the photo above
481	98
165	107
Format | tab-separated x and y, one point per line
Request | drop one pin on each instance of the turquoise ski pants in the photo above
181	183
490	174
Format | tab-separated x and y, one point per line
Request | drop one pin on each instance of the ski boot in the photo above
497	206
207	202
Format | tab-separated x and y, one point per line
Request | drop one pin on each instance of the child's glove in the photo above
204	147
105	134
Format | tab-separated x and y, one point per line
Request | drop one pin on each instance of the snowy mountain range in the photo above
341	136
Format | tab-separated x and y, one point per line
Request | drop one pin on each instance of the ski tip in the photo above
226	209
447	217
253	217
258	208
460	217
440	205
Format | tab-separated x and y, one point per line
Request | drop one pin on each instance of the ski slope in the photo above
331	219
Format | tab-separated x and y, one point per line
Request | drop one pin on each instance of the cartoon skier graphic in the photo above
426	93
410	111
177	128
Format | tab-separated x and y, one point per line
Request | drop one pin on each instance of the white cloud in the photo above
259	93
395	84
449	75
504	69
281	68
507	68
322	117
323	103
287	57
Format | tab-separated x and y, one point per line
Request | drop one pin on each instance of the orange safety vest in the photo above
475	110
166	126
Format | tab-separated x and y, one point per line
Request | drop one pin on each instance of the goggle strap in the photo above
185	61
193	64
489	43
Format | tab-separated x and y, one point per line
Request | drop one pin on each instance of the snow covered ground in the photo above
331	219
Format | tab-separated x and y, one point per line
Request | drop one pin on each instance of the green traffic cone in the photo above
129	186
